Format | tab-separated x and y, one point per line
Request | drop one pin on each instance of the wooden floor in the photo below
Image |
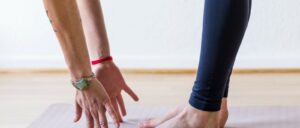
24	96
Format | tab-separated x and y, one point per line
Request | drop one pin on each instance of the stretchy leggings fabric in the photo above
224	25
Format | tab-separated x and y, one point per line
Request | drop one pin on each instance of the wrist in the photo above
79	68
83	82
99	52
102	60
78	74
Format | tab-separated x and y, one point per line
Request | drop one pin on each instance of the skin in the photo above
223	115
98	46
93	101
185	116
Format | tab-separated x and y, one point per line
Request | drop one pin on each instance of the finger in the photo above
96	119
78	112
109	108
89	119
121	104
129	91
116	108
102	118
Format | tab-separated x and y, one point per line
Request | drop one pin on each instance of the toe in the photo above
150	123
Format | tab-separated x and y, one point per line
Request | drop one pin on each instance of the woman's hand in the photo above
111	78
94	102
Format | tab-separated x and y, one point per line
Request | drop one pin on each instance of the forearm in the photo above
65	19
94	28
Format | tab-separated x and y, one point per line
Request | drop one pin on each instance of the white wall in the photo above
152	34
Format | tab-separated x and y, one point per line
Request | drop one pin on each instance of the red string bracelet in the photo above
94	62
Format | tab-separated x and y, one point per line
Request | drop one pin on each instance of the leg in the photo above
225	22
223	114
97	41
225	94
224	25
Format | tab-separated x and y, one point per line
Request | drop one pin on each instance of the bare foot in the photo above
178	112
188	117
191	117
152	123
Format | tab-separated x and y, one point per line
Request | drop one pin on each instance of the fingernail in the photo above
75	120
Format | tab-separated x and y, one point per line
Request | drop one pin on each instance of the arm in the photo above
93	101
107	72
94	28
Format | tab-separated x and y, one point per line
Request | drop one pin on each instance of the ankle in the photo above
200	113
199	117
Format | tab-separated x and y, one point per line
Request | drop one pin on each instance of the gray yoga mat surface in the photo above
61	116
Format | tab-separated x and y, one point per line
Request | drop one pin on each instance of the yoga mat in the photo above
61	116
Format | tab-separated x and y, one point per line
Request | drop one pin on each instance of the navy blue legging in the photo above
224	25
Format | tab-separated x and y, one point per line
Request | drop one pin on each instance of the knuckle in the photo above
111	112
106	100
87	112
94	101
103	124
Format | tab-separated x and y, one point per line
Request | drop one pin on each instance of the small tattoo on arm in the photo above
50	21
